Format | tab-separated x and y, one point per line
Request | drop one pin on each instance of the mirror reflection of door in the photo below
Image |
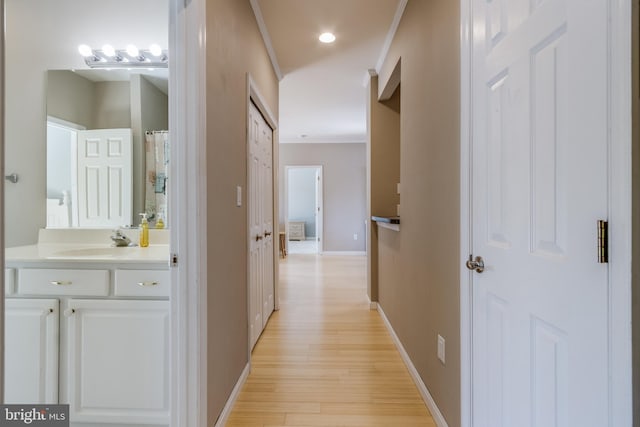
89	175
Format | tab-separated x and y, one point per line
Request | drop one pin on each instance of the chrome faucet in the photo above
119	238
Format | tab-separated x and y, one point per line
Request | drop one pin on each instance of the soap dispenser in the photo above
160	221
144	231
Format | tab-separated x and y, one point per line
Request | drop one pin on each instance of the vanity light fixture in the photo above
327	38
131	57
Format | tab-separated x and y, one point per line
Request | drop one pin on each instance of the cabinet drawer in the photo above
9	281
142	283
44	281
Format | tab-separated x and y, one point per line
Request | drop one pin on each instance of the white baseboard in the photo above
358	253
226	411
372	304
422	388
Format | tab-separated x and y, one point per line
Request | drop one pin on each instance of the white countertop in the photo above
86	252
92	246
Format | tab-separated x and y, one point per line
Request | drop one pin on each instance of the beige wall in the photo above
383	174
234	48
344	190
70	97
419	266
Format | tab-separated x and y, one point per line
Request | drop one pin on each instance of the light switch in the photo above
238	196
441	348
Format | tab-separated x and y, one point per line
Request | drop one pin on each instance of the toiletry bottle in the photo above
160	221
144	231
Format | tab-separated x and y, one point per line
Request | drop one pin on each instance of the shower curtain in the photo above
157	168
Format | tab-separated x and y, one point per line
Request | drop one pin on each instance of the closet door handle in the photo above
258	237
267	233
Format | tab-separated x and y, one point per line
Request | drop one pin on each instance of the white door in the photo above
105	195
117	358
266	142
31	351
261	280
539	185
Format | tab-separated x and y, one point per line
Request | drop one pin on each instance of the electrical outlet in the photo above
355	236
441	349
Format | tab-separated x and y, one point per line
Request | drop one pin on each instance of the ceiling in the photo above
322	86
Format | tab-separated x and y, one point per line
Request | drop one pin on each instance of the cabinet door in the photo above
118	361
31	351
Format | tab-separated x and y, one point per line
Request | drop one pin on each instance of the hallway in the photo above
325	359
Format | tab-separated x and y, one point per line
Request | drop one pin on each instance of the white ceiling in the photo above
322	92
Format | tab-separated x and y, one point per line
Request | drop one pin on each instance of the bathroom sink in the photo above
101	252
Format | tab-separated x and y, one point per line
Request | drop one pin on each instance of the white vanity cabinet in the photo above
118	361
93	335
31	350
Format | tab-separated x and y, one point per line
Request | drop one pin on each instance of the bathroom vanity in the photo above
88	324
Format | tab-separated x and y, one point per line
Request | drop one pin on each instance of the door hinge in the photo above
174	260
603	242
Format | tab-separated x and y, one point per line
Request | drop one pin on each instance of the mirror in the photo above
107	147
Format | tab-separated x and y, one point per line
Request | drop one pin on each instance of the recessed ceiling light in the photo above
327	38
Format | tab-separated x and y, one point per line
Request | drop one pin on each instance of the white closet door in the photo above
260	199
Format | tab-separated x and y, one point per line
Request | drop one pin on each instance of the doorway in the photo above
303	209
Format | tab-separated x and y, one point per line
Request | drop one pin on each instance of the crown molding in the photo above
402	4
266	38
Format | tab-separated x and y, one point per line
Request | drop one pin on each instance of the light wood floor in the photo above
325	359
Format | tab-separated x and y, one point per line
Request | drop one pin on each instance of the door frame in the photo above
188	207
319	198
620	214
254	96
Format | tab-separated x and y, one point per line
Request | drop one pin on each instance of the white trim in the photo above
422	388
620	213
266	38
64	123
345	253
3	27
466	330
187	115
320	218
228	407
373	305
402	4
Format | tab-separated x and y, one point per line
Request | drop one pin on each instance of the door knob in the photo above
476	264
267	233
258	237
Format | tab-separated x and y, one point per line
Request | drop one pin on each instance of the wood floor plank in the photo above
326	359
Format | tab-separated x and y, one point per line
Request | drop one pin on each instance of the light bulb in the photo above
85	50
132	51
155	50
108	50
327	38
